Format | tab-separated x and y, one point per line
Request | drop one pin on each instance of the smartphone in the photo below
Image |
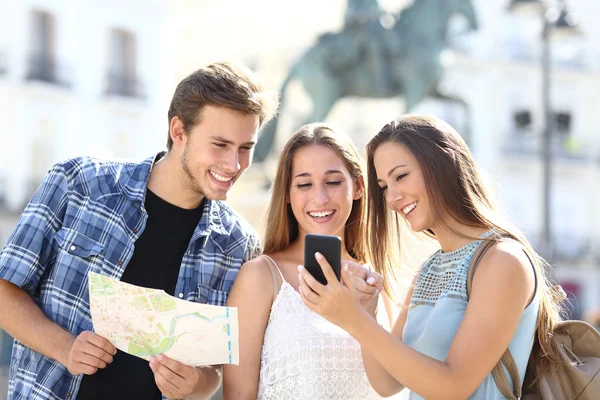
330	247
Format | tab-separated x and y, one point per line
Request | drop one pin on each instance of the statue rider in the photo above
362	22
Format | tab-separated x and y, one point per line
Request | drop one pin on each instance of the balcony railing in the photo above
571	248
43	68
124	84
527	52
530	144
567	248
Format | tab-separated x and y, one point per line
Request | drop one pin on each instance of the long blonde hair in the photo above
457	193
281	226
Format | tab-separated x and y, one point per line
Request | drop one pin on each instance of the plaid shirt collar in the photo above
135	186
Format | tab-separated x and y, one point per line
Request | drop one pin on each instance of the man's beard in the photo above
189	180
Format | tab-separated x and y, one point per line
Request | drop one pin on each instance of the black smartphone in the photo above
330	247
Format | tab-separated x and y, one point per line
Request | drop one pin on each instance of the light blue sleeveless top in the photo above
438	304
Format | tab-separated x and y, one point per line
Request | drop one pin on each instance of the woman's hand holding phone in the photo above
336	301
340	301
366	283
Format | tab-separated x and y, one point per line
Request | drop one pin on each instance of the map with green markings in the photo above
146	322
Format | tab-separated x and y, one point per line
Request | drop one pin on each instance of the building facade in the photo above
498	71
78	78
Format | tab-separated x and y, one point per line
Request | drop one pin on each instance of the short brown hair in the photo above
221	84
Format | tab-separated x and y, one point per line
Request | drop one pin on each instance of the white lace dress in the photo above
305	356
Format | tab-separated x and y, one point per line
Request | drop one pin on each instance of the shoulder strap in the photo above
507	359
483	247
500	376
274	272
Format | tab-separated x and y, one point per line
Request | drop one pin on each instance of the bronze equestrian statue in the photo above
367	60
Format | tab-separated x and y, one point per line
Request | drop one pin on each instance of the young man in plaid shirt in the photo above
159	223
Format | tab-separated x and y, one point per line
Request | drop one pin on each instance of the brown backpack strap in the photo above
507	359
500	377
477	256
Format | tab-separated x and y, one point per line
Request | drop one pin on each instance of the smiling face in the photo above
217	150
321	191
401	181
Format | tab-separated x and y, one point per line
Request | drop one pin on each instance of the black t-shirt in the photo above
155	264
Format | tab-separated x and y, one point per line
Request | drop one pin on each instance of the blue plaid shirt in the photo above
86	216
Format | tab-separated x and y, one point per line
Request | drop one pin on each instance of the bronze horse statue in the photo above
407	62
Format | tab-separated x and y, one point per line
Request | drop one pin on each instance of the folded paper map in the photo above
147	322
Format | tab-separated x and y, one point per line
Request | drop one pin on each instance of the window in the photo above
562	123
122	79
42	62
520	138
522	120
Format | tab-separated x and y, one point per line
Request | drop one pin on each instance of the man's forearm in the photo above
21	318
210	380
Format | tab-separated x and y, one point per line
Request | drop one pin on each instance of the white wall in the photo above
80	119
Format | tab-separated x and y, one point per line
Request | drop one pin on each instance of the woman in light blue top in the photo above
442	346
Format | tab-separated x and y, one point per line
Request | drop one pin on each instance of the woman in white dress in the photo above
286	350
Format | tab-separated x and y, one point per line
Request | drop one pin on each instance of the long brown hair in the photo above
457	192
281	226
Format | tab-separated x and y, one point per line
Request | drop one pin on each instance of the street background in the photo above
96	78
